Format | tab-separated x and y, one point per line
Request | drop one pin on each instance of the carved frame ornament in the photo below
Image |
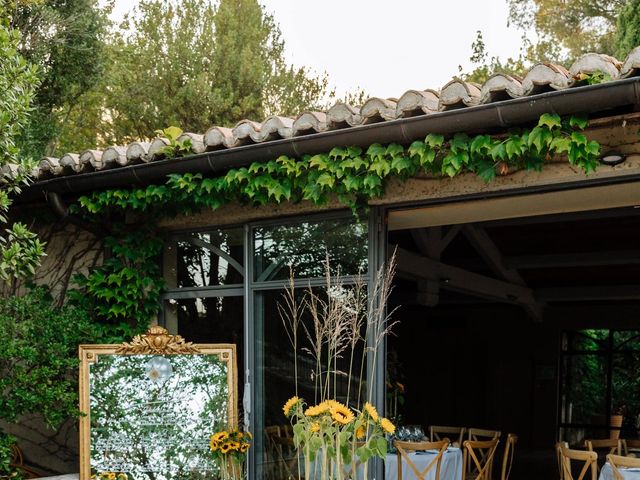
157	341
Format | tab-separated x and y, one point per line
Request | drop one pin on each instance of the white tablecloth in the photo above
628	474
450	468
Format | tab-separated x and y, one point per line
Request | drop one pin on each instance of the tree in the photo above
566	28
628	29
20	249
485	66
65	39
194	65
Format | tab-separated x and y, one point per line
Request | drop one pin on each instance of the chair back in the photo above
610	445
631	447
619	463
603	447
588	459
439	432
477	458
509	452
403	449
17	462
479	434
559	446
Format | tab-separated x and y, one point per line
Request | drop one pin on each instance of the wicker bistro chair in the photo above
478	434
588	459
477	459
604	447
631	447
507	458
402	449
619	463
456	434
17	462
559	446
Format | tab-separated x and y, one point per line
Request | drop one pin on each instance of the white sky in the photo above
386	46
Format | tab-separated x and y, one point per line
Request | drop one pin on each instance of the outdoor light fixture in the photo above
612	158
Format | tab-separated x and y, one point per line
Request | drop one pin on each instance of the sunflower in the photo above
244	447
219	436
341	413
293	401
315	427
360	433
317	410
213	444
387	426
111	476
224	448
234	445
371	411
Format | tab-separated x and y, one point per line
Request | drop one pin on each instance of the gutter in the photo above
505	114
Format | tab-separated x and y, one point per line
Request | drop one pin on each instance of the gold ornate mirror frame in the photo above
157	341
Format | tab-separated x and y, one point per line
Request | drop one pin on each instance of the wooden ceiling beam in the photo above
418	267
583	259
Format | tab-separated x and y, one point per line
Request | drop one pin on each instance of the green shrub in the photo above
38	358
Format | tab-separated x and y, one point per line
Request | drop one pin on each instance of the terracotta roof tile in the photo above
456	94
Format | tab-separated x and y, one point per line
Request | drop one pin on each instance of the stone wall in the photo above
69	250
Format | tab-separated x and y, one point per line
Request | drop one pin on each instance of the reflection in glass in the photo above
210	258
275	454
588	340
152	415
213	320
306	245
585	388
601	382
626	392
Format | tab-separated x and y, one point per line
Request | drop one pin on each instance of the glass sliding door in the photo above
303	248
204	301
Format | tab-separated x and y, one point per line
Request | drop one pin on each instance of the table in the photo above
450	468
606	473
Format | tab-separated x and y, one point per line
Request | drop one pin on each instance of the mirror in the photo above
151	406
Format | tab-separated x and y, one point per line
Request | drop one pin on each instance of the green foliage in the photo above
484	66
123	294
192	63
628	28
566	29
39	356
594	78
6	455
20	250
65	39
176	147
353	175
125	291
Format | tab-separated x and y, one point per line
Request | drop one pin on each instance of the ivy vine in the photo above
125	290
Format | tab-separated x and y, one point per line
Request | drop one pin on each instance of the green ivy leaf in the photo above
580	122
560	145
403	166
540	138
578	138
550	120
486	170
434	140
326	180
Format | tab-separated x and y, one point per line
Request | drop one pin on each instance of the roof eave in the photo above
589	99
